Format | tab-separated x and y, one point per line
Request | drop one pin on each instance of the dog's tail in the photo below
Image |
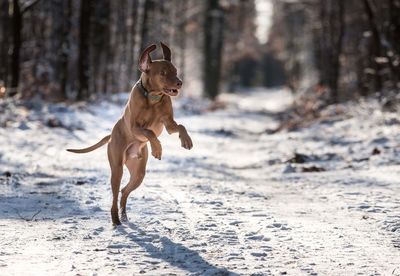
103	141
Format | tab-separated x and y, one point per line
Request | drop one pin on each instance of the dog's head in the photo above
160	75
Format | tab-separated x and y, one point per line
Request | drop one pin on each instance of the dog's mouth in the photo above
171	91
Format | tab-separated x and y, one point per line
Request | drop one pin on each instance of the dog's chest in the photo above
150	119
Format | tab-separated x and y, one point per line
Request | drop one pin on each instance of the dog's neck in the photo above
152	95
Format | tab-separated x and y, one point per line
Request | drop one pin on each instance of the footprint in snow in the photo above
256	237
98	231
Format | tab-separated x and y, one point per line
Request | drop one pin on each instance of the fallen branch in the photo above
27	219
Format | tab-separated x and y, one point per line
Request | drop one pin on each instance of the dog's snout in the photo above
179	83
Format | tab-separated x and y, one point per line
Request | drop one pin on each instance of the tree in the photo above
330	44
75	48
213	42
148	8
17	23
181	36
4	42
132	25
15	52
65	45
100	56
83	59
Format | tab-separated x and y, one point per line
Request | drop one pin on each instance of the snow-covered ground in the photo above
239	203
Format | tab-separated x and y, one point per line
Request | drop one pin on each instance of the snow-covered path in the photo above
231	206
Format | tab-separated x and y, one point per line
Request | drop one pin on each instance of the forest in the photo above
349	49
68	49
279	154
71	49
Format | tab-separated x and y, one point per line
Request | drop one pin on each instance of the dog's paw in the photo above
124	217
156	150
186	142
156	154
115	217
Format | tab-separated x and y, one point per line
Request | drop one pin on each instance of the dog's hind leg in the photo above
115	159
137	170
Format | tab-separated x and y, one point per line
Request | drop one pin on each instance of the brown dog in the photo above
148	110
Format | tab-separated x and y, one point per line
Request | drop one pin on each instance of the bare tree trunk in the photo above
4	42
147	9
108	59
145	38
213	41
99	54
83	59
394	37
15	53
375	46
55	53
182	38
67	8
338	45
164	14
132	40
122	41
330	40
17	41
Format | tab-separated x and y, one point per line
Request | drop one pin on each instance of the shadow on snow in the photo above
174	253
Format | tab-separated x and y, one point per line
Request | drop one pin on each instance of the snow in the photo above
236	204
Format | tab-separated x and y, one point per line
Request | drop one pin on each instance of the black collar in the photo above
147	94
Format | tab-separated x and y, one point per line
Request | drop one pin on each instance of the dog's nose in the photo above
179	83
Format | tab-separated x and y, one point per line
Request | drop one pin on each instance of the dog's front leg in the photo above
172	127
146	134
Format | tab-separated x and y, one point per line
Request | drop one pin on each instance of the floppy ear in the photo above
145	58
166	51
